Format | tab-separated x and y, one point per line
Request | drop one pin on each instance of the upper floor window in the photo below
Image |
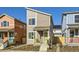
4	23
32	21
76	18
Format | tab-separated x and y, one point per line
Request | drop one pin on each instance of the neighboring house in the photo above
12	31
70	27
57	30
39	26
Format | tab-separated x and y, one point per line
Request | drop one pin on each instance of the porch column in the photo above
48	35
8	37
67	35
67	32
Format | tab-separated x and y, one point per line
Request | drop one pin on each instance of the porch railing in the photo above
72	40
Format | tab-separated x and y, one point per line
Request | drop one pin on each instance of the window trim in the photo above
33	32
35	21
75	32
6	22
32	19
75	18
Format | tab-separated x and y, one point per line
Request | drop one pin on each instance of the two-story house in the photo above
12	31
70	27
39	26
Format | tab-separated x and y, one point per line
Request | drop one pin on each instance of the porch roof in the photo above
41	28
6	30
73	25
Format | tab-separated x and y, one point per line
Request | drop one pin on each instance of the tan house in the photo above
39	27
12	31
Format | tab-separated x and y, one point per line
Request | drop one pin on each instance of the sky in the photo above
16	12
56	12
20	12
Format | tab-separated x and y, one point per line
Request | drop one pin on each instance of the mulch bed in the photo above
65	49
69	49
24	48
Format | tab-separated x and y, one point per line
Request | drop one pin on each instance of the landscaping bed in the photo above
53	49
23	48
69	49
65	49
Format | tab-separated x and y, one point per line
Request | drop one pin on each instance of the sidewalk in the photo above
43	47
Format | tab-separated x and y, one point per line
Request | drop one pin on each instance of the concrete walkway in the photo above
43	47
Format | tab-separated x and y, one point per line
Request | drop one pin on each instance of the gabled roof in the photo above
2	15
39	11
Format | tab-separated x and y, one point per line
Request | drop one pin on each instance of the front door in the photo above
4	36
43	36
11	37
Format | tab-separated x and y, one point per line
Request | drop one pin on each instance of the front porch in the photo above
6	38
42	35
72	35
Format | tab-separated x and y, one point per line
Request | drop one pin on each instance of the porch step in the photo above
43	48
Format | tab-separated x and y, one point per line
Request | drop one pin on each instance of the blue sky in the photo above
56	12
20	12
16	12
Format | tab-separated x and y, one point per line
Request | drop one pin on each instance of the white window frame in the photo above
32	18
74	33
28	34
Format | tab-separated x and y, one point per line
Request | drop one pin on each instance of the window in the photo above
32	21
71	33
76	18
11	34
31	35
4	23
76	31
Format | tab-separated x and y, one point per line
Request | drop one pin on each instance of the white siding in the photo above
70	19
